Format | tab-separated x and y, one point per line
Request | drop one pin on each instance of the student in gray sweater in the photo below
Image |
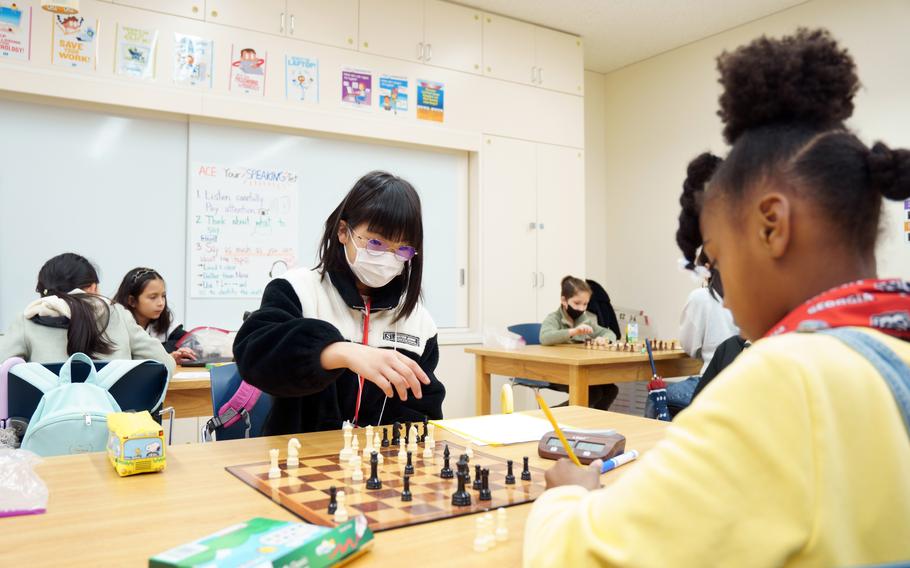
70	317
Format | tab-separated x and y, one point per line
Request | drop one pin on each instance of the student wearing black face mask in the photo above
572	324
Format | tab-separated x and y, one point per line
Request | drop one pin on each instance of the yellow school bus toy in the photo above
136	443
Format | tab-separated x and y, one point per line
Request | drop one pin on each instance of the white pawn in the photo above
341	513
345	453
293	455
357	474
502	530
377	447
428	448
274	472
354	465
488	530
355	446
402	454
480	538
469	450
431	431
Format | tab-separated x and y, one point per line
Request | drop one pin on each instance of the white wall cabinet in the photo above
268	16
187	8
524	53
329	23
393	28
532	226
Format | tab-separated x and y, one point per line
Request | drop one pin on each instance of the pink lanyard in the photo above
366	338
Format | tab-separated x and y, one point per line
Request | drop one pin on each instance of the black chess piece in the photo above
385	437
510	477
374	482
333	500
464	468
409	468
406	491
446	472
478	483
396	433
407	432
485	494
525	471
461	498
423	437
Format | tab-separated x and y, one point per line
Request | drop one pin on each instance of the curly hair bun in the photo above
804	78
889	171
688	235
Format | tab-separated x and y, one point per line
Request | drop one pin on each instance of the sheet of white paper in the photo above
192	375
497	429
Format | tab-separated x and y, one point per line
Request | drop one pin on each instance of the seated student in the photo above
572	323
341	341
798	453
71	317
142	292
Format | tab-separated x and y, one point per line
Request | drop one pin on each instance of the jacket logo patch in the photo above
396	337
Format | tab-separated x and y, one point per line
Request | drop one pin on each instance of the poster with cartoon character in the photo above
356	88
248	67
15	31
136	52
74	41
430	100
393	95
301	81
193	61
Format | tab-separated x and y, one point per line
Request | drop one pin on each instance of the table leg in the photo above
578	386
482	387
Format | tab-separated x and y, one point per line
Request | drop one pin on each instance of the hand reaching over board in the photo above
389	370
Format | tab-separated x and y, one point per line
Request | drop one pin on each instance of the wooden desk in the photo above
96	518
189	397
573	366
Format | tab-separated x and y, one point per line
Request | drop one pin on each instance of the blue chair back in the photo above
225	382
138	390
530	332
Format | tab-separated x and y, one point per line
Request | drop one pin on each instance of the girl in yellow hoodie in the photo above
798	453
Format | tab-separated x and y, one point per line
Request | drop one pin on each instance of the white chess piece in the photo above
355	445
341	513
345	453
488	530
480	538
502	530
377	447
402	454
469	450
357	474
431	431
412	440
293	455
274	472
428	448
368	446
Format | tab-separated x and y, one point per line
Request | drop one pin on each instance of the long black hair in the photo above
132	286
783	105
390	206
89	313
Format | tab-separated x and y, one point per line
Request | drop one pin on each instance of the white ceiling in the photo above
620	32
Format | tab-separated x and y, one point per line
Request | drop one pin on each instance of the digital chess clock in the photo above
588	445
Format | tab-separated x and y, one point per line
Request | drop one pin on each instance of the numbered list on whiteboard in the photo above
242	220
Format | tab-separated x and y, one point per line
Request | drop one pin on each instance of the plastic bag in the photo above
22	492
209	342
502	339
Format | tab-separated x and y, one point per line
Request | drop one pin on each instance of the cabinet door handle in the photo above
282	22
541	280
429	55
292	24
533	280
420	51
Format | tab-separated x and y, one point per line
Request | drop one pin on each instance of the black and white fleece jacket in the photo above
278	350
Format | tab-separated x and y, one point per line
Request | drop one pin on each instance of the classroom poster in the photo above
74	41
136	52
193	58
15	31
248	68
393	95
356	88
242	221
301	81
430	100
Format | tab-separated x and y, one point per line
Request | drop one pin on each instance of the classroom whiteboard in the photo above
115	187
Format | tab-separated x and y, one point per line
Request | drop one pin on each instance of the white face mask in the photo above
374	270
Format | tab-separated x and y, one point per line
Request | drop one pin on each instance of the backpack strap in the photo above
37	375
4	387
237	408
66	371
894	370
116	369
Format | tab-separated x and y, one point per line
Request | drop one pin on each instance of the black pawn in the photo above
478	483
396	427
385	437
374	482
423	437
407	432
409	469
406	492
525	471
333	500
461	498
446	472
485	494
510	477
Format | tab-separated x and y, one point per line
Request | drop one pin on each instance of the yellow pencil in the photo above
562	438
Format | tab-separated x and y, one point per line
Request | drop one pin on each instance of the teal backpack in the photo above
72	417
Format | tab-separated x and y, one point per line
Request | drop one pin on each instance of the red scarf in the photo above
880	304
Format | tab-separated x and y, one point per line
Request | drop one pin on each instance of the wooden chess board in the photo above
304	490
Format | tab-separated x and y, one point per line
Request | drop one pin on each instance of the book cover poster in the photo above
193	61
356	88
74	41
393	95
136	52
430	100
301	79
15	31
248	68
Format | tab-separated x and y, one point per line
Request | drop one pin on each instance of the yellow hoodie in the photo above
795	455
